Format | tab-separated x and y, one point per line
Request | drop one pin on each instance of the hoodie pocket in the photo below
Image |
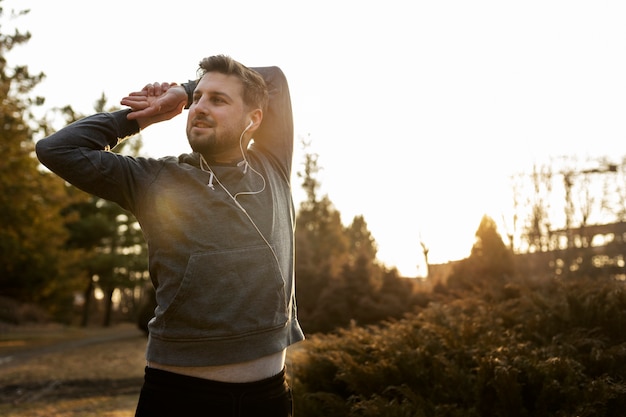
227	293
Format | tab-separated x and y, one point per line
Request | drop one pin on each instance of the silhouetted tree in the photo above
490	261
361	243
321	244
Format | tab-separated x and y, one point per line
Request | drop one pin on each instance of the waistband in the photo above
179	382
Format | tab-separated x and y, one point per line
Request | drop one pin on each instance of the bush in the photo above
551	350
13	312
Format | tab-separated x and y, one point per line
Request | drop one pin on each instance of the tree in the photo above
489	253
361	243
490	261
110	238
321	245
32	263
114	252
538	225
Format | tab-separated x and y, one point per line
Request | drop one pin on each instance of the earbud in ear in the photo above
247	127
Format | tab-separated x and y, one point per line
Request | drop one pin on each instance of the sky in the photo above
420	111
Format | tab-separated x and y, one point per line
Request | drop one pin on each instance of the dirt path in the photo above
19	346
51	364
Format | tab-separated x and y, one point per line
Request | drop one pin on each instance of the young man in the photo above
219	224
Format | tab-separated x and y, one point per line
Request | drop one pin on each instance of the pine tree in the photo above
491	256
321	244
32	264
490	263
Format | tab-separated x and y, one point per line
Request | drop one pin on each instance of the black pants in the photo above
166	394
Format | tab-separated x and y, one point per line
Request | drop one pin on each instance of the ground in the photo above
64	371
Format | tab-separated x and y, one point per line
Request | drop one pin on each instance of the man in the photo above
219	224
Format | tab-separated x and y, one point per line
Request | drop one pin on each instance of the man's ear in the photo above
255	119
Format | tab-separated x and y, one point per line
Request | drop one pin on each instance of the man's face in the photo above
217	117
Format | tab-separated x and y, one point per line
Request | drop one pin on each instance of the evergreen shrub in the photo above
518	350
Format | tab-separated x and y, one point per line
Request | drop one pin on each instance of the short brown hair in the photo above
255	94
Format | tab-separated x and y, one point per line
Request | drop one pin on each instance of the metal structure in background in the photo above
575	258
578	247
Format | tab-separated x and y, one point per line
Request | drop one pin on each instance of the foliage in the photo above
490	261
32	234
115	253
556	349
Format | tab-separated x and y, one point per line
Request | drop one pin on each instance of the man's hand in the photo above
155	103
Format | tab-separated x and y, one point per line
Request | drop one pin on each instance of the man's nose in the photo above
202	106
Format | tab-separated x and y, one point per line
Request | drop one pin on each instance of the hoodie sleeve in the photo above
79	153
275	135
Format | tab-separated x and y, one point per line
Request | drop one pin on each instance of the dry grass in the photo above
101	379
117	406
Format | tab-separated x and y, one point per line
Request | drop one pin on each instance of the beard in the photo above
210	142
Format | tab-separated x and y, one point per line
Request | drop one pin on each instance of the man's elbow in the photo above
42	150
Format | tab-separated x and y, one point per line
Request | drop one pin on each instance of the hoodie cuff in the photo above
125	127
189	87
